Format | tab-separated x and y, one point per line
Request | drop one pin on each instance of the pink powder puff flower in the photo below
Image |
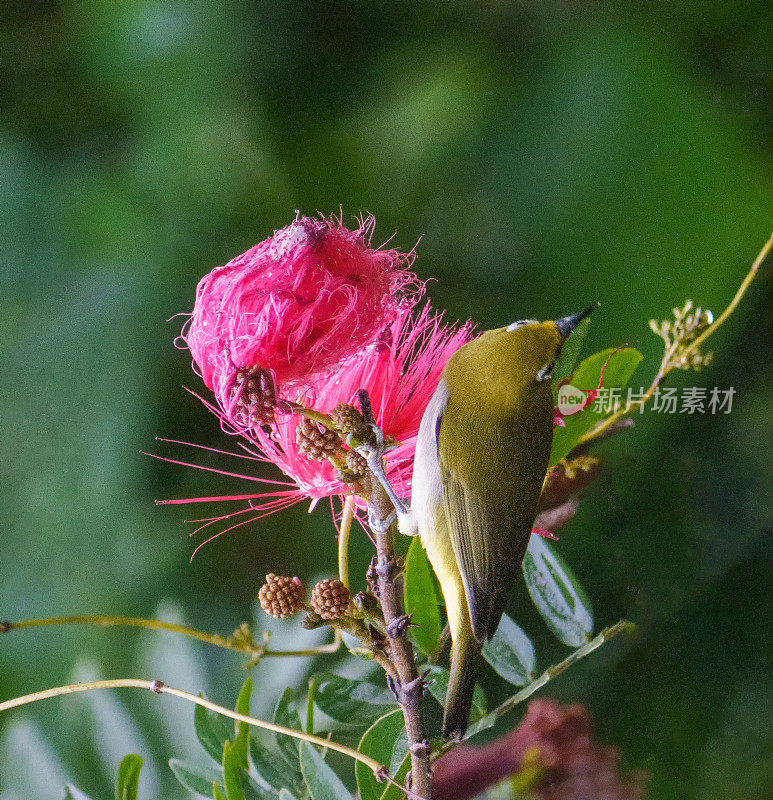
295	305
400	370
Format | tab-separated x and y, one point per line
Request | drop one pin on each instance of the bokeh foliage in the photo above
549	154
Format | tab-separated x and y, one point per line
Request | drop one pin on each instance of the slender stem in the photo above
343	540
227	643
667	364
161	688
310	706
553	672
309	413
699	340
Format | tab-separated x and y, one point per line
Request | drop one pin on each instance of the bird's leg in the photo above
374	454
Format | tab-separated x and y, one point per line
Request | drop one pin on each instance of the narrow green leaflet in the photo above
216	793
232	768
195	778
484	723
73	793
399	765
351	702
556	593
620	366
287	716
421	599
128	778
254	790
242	729
511	653
322	782
211	730
438	686
571	351
378	742
274	771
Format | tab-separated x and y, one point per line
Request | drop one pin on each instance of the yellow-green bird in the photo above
481	457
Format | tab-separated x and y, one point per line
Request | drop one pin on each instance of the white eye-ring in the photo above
521	322
546	371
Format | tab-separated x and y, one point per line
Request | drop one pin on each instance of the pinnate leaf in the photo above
557	593
511	653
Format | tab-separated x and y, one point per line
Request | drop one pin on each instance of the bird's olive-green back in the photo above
494	443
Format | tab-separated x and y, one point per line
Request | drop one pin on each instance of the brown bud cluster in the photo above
255	397
281	597
330	599
350	421
316	441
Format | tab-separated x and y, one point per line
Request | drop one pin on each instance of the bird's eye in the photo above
521	322
546	372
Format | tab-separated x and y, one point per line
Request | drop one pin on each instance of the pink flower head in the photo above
296	304
400	370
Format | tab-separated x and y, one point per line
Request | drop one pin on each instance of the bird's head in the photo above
514	359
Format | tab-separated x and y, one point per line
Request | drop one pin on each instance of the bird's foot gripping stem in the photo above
374	451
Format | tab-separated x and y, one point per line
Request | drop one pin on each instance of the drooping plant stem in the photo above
158	687
410	686
553	672
667	364
239	644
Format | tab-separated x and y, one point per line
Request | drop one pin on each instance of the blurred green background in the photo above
549	155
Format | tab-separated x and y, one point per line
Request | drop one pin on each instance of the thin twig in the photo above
228	643
343	540
553	672
667	364
161	688
410	688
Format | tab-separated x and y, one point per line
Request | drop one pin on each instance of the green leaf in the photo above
242	729
212	731
128	778
322	782
377	742
232	769
557	594
570	351
421	598
274	771
285	795
511	653
620	366
216	793
194	778
73	793
287	716
254	790
351	702
484	723
399	765
438	686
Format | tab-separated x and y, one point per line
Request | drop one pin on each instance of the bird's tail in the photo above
465	656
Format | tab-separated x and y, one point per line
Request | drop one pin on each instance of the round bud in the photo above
350	421
281	597
330	599
316	441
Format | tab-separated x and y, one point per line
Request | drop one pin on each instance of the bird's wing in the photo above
488	547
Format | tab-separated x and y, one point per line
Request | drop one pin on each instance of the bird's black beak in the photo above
567	324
